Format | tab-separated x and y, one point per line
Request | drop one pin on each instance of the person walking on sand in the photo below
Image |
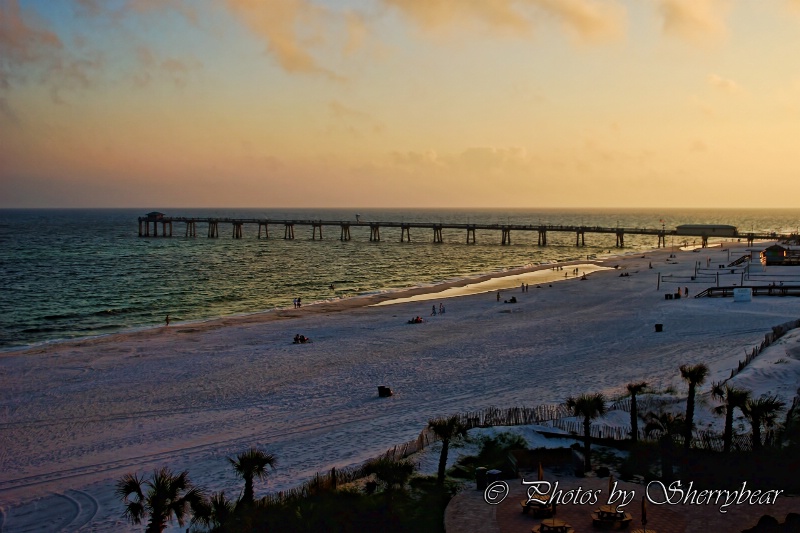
498	296
166	320
433	310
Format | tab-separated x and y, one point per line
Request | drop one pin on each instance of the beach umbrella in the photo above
541	472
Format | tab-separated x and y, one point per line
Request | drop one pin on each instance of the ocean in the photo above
67	274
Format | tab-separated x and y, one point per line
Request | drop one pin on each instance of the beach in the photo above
78	415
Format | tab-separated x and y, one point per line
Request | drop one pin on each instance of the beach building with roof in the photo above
781	254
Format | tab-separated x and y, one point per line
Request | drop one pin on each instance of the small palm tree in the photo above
216	512
251	464
393	475
589	406
666	426
634	389
761	412
161	497
447	429
694	375
732	398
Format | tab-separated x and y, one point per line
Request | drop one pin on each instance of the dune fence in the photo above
776	333
552	415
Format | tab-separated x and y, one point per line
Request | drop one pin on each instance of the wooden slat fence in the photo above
776	333
553	415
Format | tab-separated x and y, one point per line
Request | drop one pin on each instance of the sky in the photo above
399	103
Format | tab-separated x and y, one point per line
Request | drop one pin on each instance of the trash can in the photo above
659	328
493	475
480	478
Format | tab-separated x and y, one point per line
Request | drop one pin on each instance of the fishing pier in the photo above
149	227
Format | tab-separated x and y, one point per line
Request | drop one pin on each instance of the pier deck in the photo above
344	226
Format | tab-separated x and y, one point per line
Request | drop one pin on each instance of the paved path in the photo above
469	513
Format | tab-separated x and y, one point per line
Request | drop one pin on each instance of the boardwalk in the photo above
316	226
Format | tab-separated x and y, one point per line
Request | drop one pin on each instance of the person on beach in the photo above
498	296
433	310
298	303
166	321
441	308
332	287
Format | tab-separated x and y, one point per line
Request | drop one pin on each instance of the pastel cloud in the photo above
33	53
723	84
184	7
353	121
174	69
22	44
589	19
278	22
694	20
477	160
357	32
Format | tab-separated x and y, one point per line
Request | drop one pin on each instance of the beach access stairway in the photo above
758	290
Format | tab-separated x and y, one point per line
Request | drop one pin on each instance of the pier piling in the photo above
345	236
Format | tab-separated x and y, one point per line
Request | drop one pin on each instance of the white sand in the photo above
76	416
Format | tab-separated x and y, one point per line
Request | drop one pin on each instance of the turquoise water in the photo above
78	273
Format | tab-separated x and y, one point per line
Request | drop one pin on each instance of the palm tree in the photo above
163	496
733	398
666	425
393	475
447	429
216	512
762	411
589	406
693	375
251	464
634	389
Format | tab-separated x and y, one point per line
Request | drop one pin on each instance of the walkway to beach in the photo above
469	513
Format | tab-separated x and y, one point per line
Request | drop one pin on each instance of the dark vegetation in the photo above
389	497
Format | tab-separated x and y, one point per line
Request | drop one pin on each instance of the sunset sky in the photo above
399	103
